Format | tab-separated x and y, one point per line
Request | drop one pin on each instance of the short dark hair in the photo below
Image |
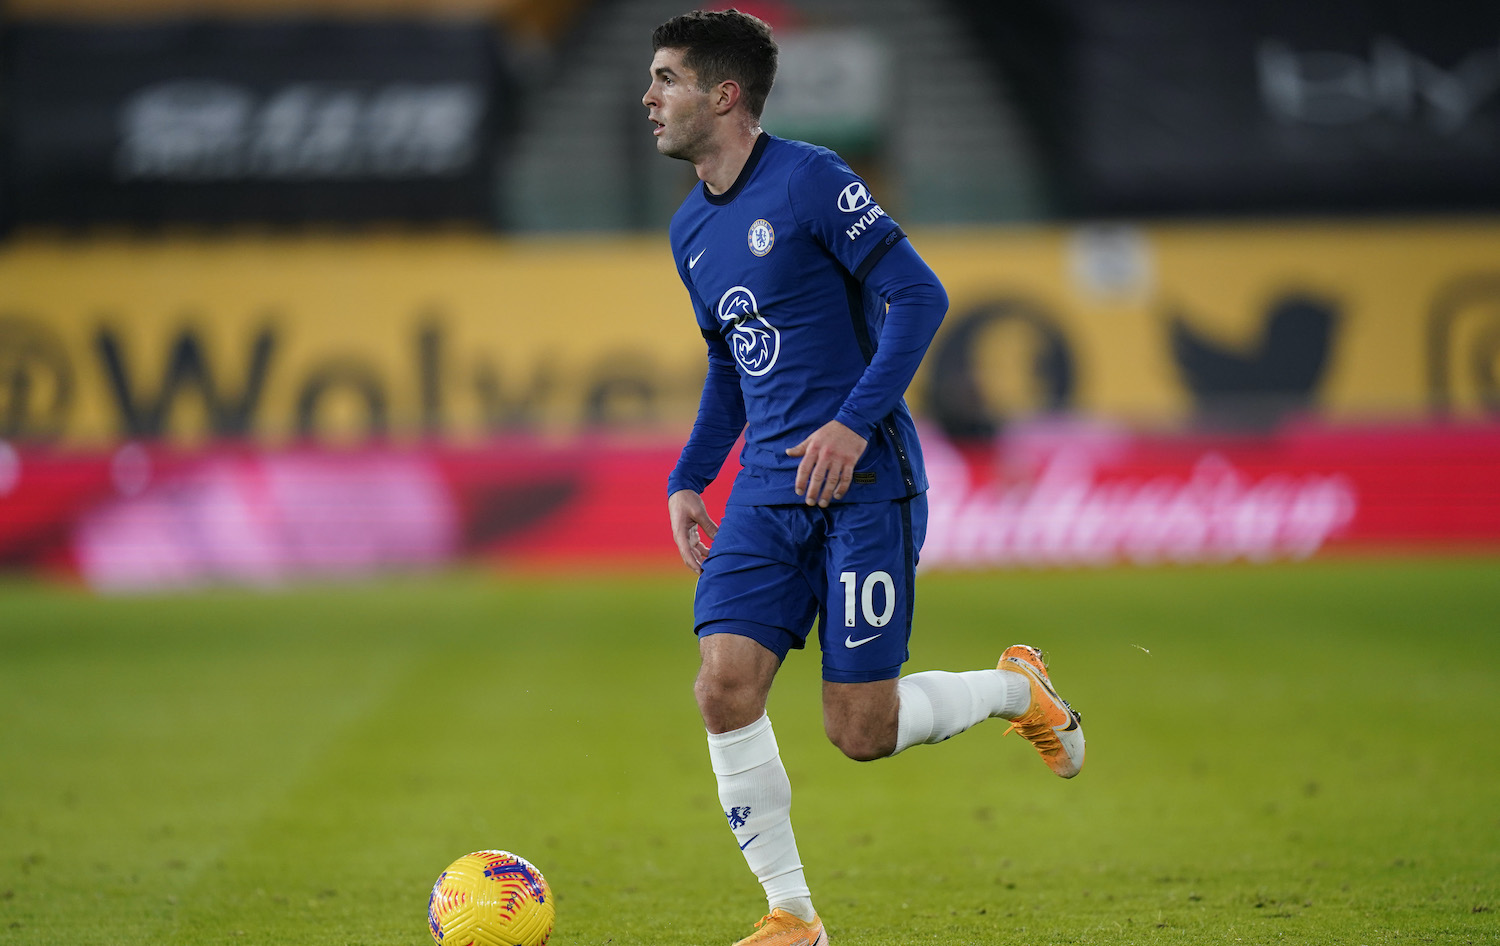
724	45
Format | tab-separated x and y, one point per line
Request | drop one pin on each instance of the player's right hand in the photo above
690	523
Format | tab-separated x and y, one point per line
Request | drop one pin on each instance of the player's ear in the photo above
726	96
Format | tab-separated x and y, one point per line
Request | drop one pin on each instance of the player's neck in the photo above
720	170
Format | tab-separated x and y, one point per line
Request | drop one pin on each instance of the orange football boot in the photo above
1049	723
780	928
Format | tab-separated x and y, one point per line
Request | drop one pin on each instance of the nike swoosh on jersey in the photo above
851	643
693	260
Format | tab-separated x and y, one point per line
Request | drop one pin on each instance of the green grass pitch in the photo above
1281	754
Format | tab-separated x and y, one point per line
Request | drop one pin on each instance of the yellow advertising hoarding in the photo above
277	339
1348	320
461	337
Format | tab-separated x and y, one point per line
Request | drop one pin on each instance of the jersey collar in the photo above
744	176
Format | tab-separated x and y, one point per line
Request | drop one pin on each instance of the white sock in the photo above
757	799
938	705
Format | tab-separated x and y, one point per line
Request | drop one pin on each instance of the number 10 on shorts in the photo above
880	579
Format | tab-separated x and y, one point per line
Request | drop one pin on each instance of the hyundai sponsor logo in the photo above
864	222
854	198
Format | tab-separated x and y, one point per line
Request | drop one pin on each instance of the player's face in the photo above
678	108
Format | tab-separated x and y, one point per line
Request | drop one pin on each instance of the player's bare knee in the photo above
861	718
711	693
727	703
861	745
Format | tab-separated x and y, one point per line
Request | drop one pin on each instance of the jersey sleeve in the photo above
917	303
835	205
721	410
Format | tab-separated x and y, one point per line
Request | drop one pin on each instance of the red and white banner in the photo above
1071	495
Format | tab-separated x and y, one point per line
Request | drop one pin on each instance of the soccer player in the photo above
816	311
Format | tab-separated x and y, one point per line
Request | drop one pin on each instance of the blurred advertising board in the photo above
1154	107
342	341
1073	495
149	517
267	410
273	121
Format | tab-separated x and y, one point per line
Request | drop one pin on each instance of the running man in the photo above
817	311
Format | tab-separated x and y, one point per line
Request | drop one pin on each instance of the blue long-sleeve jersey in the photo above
815	307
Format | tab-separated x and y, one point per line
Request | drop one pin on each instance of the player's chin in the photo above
675	149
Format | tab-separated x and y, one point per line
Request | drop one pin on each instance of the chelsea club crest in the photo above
762	237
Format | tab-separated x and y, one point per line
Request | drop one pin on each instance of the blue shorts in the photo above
853	566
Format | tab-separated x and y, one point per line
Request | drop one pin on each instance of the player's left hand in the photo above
827	467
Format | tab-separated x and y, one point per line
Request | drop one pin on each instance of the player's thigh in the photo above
870	571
